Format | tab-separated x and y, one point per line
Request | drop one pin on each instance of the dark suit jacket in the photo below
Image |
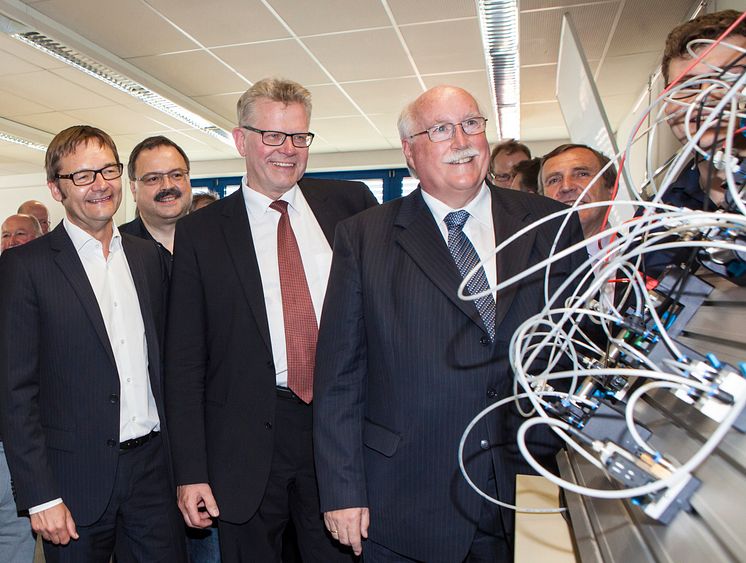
403	366
220	373
59	385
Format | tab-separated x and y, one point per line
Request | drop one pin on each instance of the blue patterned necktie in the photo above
466	258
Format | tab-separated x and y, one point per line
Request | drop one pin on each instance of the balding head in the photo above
19	229
36	209
444	142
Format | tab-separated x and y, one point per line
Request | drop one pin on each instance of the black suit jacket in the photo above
59	385
403	365
220	373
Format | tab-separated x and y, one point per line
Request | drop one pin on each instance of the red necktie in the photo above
301	329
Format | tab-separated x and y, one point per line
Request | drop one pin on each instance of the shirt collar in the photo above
480	208
257	203
82	239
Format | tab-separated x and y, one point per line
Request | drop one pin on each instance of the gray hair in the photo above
276	90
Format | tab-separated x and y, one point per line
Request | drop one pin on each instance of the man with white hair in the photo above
403	364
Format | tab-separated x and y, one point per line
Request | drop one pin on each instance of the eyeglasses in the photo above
277	138
177	175
445	131
87	177
503	178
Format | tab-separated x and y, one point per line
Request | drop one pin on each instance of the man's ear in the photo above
239	140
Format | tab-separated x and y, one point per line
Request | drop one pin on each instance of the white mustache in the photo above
460	154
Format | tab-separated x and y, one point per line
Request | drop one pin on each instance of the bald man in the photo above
19	229
38	210
16	541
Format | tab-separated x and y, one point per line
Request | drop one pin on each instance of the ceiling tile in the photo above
412	11
275	58
557	4
362	55
11	64
386	123
52	122
222	104
92	84
538	83
542	121
19	105
195	73
540	31
230	21
382	96
127	29
446	46
644	25
52	91
626	74
116	120
350	133
329	101
331	15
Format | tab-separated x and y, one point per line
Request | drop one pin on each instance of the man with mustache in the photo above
158	170
403	364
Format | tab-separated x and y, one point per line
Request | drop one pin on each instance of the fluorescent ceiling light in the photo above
21	141
120	82
498	20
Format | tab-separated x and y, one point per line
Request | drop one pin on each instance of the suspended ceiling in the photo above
361	59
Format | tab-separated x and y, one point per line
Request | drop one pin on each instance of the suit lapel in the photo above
69	262
321	209
420	238
509	217
240	243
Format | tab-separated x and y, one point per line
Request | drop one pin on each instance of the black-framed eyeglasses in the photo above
277	138
177	175
446	131
87	177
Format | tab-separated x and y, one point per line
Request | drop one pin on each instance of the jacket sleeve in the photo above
340	381
22	433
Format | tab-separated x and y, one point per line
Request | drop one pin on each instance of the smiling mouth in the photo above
99	200
462	160
280	164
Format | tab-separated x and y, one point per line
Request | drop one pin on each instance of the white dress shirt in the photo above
114	288
316	255
479	227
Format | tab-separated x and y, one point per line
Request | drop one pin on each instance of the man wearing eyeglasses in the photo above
503	159
403	364
81	313
158	170
249	279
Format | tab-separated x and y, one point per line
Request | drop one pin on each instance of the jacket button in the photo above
111	443
491	393
268	425
484	444
113	398
484	341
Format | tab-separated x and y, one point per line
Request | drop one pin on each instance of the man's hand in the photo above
348	526
55	524
191	499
